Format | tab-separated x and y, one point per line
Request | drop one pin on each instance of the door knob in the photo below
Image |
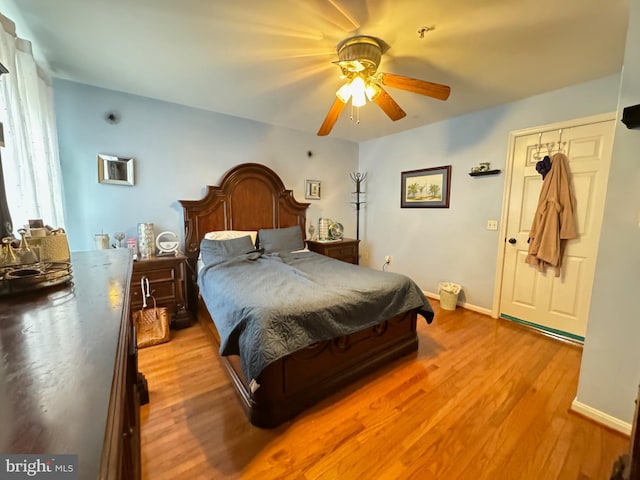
512	241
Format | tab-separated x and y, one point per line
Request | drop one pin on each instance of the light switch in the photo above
492	225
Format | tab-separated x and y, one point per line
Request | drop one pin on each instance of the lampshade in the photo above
344	92
358	92
372	90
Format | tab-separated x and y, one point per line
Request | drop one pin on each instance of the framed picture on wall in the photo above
115	170
425	188
312	189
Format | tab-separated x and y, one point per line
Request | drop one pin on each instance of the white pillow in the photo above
227	235
230	234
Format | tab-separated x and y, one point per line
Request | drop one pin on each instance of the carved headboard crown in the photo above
250	196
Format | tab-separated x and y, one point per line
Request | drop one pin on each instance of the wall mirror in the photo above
115	170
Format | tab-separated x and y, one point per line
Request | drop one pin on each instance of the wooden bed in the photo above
250	197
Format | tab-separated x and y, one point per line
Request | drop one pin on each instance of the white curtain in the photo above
32	174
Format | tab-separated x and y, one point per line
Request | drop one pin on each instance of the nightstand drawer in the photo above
345	250
341	251
154	276
164	292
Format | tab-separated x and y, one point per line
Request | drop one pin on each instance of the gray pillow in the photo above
281	239
210	249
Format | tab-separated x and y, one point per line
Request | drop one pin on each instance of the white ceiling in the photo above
270	60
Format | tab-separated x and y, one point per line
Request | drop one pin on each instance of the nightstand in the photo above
345	249
167	283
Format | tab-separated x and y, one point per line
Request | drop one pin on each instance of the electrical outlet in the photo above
387	259
492	225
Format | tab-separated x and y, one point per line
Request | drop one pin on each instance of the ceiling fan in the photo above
358	58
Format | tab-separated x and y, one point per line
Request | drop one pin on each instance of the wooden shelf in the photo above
482	174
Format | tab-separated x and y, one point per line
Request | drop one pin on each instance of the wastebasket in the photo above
448	295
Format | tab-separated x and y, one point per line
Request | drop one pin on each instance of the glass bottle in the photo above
10	257
25	254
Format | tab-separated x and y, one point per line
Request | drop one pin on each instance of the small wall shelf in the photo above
482	174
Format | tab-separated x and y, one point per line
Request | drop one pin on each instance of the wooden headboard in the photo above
250	196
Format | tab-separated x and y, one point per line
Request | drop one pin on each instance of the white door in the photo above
558	305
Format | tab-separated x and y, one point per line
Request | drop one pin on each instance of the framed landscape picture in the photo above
425	188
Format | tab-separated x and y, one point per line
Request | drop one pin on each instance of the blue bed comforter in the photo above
266	306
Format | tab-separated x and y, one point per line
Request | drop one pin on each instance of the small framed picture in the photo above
312	189
425	188
115	170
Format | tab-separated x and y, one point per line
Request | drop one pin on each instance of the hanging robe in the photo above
554	222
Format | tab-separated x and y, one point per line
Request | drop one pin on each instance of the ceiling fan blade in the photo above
331	118
389	105
434	90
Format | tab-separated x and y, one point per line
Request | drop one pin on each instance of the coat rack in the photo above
358	178
550	146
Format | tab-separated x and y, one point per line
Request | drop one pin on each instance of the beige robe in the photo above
554	222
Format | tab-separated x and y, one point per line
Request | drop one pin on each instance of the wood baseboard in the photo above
600	417
468	306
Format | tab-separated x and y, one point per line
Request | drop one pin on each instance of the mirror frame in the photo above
115	170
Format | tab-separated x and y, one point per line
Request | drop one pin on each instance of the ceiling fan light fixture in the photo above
344	92
372	91
358	59
358	98
359	53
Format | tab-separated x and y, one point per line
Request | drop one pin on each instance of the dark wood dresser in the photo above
345	250
69	369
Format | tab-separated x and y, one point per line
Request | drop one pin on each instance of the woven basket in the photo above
53	248
152	326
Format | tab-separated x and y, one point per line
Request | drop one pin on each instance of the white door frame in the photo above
497	288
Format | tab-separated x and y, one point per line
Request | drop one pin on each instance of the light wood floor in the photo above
482	399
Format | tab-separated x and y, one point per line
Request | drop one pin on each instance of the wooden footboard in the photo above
302	378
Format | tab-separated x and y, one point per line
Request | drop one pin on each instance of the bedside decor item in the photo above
102	241
323	228
425	188
358	178
119	236
115	170
336	231
167	243
146	240
132	244
312	189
